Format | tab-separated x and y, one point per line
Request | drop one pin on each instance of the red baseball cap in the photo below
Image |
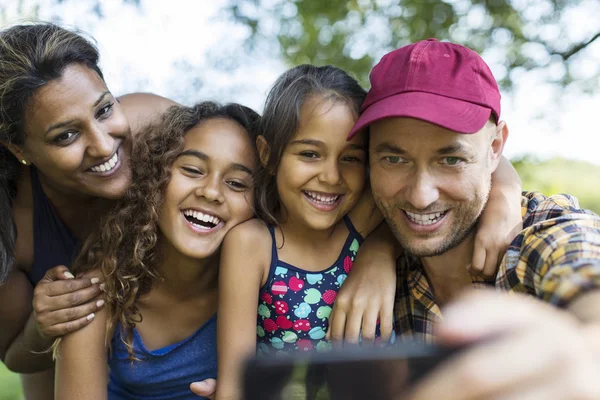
438	82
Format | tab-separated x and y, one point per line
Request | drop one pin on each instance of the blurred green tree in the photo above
354	34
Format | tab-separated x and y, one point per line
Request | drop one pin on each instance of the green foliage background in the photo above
10	386
354	34
559	175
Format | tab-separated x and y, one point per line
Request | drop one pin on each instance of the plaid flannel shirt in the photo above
555	257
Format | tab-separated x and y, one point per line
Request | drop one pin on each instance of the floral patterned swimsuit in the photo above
294	304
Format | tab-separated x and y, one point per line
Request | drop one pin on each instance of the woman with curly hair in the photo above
158	253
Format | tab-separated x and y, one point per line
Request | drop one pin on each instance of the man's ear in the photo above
16	151
263	150
498	141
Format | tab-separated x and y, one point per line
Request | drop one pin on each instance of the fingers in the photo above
477	264
56	273
62	287
67	296
337	324
482	313
531	364
71	313
369	325
386	321
64	305
206	388
491	264
64	328
353	324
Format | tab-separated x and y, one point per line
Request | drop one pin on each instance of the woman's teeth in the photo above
107	166
201	220
425	219
322	198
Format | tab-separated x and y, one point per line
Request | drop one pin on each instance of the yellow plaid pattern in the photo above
555	257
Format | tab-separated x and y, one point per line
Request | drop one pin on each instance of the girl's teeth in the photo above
107	166
202	217
322	198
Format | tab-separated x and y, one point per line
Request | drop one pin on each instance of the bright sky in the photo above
170	48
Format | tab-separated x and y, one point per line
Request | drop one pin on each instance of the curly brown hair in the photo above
124	249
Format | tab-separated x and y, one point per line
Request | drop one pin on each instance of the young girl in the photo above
158	255
310	196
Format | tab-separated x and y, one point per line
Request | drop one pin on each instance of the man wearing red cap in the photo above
433	113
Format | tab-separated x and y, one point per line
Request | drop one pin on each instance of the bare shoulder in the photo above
142	109
250	235
247	250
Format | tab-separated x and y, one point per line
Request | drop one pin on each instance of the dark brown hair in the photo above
125	249
281	119
30	57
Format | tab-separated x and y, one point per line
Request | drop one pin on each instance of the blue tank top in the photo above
294	304
53	243
164	373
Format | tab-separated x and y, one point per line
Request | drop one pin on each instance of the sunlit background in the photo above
545	54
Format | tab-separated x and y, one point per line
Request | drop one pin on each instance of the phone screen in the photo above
357	373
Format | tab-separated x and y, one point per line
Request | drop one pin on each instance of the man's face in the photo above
430	183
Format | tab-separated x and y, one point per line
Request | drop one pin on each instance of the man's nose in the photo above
423	191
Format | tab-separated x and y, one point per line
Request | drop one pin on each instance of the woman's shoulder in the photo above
143	109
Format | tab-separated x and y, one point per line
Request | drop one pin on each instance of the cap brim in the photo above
453	114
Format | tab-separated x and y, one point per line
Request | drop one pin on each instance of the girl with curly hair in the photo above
158	253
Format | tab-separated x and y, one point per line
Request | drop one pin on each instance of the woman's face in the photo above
77	136
210	190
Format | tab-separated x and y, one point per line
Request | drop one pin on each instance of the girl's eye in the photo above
451	161
105	111
238	186
65	137
352	159
192	170
309	154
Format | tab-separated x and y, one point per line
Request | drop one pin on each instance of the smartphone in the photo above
348	374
